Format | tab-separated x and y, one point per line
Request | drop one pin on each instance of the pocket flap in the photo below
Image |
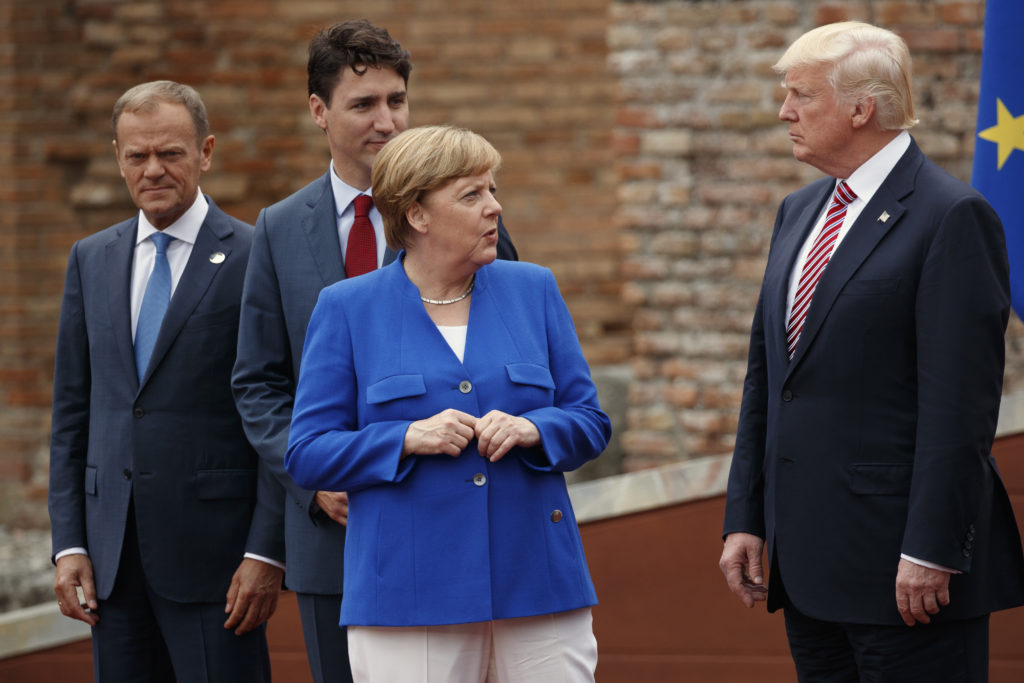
880	479
394	387
528	373
212	484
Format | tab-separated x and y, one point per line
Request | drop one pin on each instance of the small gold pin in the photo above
884	217
217	257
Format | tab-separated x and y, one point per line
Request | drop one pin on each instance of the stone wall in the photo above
703	164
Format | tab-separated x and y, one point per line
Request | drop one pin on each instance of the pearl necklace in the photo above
445	302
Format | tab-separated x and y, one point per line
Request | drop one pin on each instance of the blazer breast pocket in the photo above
530	374
880	479
871	287
395	387
90	480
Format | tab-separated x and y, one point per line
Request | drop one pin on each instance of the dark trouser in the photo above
326	641
829	652
142	637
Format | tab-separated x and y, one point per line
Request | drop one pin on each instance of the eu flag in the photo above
999	149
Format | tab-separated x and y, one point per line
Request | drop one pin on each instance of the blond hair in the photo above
421	160
867	61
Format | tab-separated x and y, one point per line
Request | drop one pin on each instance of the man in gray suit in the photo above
161	513
357	95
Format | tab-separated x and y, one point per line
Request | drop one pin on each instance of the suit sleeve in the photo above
574	429
69	434
962	308
262	380
328	449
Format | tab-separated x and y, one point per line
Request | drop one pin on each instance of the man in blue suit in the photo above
872	390
358	77
161	513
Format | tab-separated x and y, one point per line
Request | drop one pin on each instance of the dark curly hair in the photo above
358	45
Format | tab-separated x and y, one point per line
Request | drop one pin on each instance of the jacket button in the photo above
787	395
138	412
127	473
966	552
556	515
479	479
465	386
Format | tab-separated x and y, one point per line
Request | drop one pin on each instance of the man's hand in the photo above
74	571
252	596
334	505
920	591
741	564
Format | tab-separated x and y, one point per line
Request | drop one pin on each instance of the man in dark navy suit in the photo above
358	75
162	514
872	390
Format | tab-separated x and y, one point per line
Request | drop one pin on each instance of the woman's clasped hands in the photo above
450	431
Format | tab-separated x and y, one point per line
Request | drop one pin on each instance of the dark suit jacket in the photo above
174	442
874	439
295	254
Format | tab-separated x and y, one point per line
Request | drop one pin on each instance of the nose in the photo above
153	168
786	112
495	206
383	121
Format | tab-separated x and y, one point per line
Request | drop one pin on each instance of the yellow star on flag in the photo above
1008	132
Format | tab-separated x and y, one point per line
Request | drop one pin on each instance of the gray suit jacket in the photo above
172	443
295	254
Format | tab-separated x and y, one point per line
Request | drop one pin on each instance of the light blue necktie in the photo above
154	303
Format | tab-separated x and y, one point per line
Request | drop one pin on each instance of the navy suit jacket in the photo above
296	253
874	440
173	443
434	539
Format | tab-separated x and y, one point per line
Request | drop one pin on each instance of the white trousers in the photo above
551	648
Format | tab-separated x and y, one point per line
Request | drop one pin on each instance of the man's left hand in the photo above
252	596
920	591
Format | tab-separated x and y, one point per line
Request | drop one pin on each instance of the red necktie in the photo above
361	251
817	259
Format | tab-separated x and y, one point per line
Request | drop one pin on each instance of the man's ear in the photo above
863	111
318	110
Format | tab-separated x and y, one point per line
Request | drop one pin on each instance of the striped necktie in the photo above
814	266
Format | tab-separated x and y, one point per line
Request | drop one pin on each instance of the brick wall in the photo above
531	76
703	164
643	163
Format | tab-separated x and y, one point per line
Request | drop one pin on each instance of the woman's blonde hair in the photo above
866	61
421	160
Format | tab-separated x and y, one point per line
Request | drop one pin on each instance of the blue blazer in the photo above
874	439
173	442
295	254
436	539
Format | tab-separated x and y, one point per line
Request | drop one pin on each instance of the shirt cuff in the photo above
930	565
71	551
260	558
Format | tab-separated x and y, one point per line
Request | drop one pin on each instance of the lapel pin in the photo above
884	217
217	257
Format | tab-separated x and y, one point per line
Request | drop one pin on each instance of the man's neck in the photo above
360	181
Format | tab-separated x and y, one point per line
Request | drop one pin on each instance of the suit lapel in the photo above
195	281
881	215
321	228
119	254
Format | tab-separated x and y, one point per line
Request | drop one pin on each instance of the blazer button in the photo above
138	412
479	479
127	473
966	552
787	395
465	386
556	515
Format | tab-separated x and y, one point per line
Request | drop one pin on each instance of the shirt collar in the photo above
343	192
186	228
866	180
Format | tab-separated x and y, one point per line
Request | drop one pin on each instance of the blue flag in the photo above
999	148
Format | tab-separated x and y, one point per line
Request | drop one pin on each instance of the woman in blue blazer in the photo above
447	393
